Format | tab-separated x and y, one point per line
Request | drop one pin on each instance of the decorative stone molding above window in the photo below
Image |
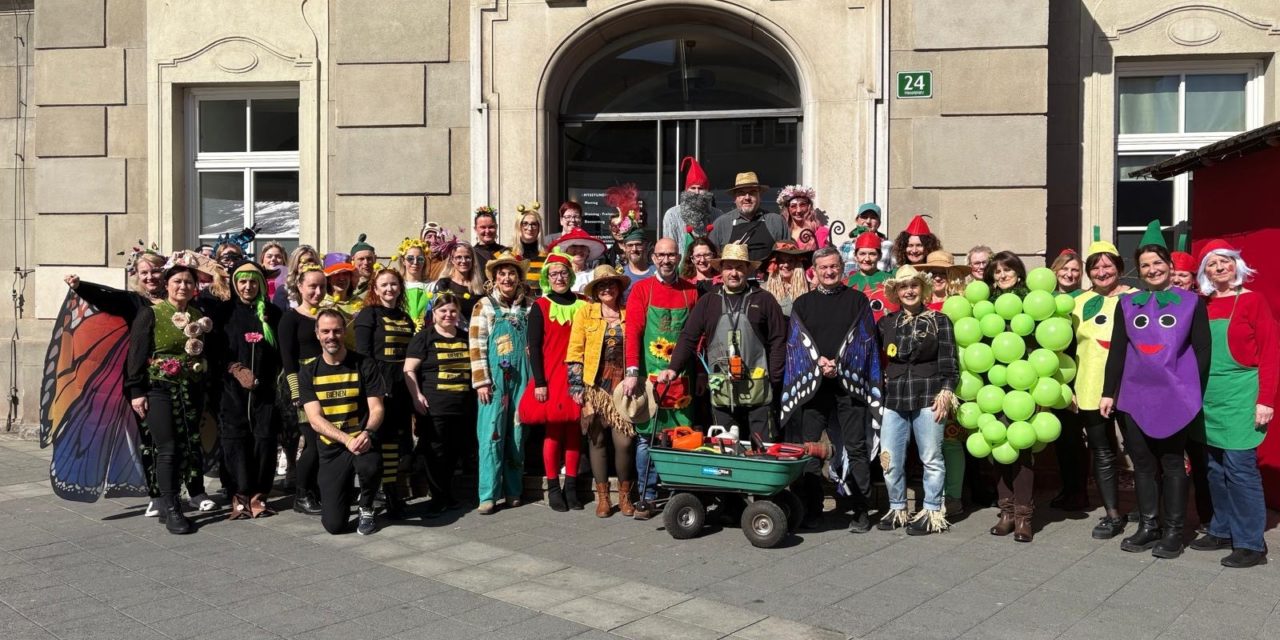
1201	27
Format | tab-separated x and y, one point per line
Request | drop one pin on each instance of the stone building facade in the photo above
172	122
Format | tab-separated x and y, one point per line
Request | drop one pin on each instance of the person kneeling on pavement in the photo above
342	393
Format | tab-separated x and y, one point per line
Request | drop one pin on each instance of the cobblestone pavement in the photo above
71	570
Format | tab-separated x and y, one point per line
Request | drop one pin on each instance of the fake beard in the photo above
695	209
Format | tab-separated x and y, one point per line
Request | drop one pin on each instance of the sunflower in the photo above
662	348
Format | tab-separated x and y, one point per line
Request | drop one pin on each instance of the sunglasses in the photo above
415	259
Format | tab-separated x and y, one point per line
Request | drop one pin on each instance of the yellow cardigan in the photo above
586	340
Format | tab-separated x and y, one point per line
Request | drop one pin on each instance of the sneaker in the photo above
366	524
202	503
153	511
860	523
486	508
282	463
644	511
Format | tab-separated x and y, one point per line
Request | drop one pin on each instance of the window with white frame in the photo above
1167	108
243	163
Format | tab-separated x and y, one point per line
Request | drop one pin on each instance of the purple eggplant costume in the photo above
1160	388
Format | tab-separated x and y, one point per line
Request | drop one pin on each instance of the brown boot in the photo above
603	508
1004	526
624	498
1022	523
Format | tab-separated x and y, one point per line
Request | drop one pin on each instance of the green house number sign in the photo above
915	84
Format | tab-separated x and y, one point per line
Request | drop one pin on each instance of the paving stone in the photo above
713	615
596	613
642	596
778	629
656	627
532	595
525	565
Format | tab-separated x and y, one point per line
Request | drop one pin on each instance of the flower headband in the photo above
406	245
135	254
793	191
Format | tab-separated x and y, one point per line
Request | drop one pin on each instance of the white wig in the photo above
1243	272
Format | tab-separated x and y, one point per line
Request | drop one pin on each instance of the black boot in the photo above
555	498
171	515
571	497
1148	533
394	502
1175	515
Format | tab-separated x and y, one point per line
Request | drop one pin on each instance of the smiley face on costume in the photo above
1160	388
1155	327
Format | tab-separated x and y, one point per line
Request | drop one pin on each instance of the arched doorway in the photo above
641	104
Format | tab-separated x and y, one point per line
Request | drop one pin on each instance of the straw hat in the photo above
637	409
943	261
903	275
789	248
504	258
605	274
735	252
747	180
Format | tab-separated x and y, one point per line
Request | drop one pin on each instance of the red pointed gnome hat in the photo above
1216	244
1183	261
695	175
918	227
867	240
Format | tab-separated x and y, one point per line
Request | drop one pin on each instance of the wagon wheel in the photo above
764	524
684	516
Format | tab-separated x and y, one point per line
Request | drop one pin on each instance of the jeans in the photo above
1239	512
896	430
645	473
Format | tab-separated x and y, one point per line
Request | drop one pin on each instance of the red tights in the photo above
566	436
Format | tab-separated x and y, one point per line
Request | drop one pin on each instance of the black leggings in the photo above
308	461
624	454
439	445
1069	450
337	468
168	437
1101	433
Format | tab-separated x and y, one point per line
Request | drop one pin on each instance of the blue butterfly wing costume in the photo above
858	369
84	413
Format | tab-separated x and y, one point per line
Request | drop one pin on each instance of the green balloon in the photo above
1054	334
1020	435
977	291
1065	399
1008	305
998	375
1038	447
967	415
1022	324
968	387
1018	405
956	307
984	418
1008	346
992	325
983	309
1042	279
1022	375
1064	304
1066	368
993	432
1044	361
991	399
1047	427
977	445
1005	454
967	331
1039	305
1046	392
978	357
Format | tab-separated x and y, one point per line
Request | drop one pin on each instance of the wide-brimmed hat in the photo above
505	258
903	275
637	409
580	238
735	252
605	274
942	260
747	180
789	248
